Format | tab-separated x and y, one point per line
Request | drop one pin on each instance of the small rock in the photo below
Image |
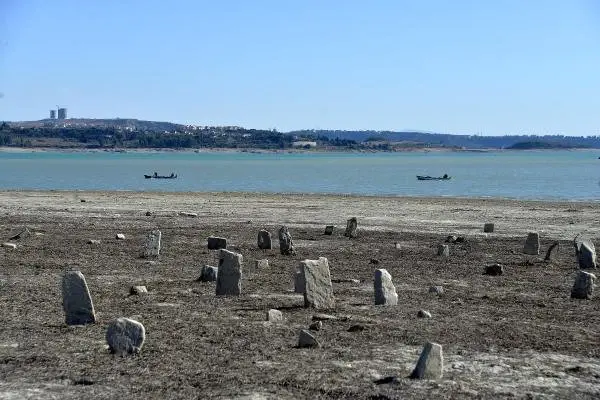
274	315
460	239
488	228
423	314
138	290
329	230
397	246
494	270
208	274
125	336
451	239
82	200
345	280
374	261
443	250
436	289
188	214
356	328
148	213
216	243
430	364
323	317
94	241
9	245
120	236
316	326
23	234
307	340
261	264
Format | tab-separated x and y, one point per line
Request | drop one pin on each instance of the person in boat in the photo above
445	176
172	174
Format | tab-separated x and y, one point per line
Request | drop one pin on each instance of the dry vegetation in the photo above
516	335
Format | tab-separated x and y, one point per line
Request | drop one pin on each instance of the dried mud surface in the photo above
518	335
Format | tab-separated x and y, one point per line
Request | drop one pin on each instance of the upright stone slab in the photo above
307	340
125	336
585	252
274	315
488	227
443	250
152	244
216	243
77	302
229	278
584	285
264	240
299	281
329	230
286	246
430	364
532	244
351	226
318	291
385	291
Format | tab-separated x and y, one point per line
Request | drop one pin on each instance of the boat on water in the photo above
157	176
434	178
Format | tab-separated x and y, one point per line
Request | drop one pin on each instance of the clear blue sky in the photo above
456	66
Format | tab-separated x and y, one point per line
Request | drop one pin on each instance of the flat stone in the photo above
532	244
356	328
316	326
138	290
216	243
261	264
329	230
152	244
436	289
229	278
23	234
307	340
208	274
264	240
274	315
77	302
430	364
583	288
188	214
318	290
125	336
120	236
494	270
443	250
488	227
94	241
351	226
385	291
323	317
286	245
345	280
423	314
9	245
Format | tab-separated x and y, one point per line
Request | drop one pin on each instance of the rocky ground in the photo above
518	335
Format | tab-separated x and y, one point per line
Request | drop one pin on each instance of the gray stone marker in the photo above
208	274
274	315
443	250
299	282
585	252
138	290
385	291
264	240
286	245
229	278
532	244
216	243
152	244
307	340
329	230
584	285
261	264
430	364
488	227
77	302
318	290
125	336
351	225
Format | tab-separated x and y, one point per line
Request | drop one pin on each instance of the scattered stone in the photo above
451	239
494	270
584	285
488	228
299	282
286	245
148	213
460	239
217	243
323	317
94	241
125	336
307	340
318	291
138	290
386	380
436	289
443	250
120	236
423	314
208	274
329	230
316	326
23	234
430	364
229	278
188	214
261	264
77	302
532	244
274	315
385	291
9	245
82	200
550	253
351	226
345	280
374	261
152	245
264	240
356	328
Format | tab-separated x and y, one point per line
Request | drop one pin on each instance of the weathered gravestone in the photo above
216	243
532	244
299	281
208	274
138	290
23	234
274	315
152	244
318	291
286	246
584	285
385	292
585	252
430	364
261	264
229	278
488	227
77	302
307	340
443	250
125	336
351	226
329	230
264	240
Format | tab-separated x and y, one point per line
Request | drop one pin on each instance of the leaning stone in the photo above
208	274
94	241
77	302
286	245
436	289
306	339
229	278
9	245
274	315
351	225
316	326
584	285
532	244
423	314
120	236
125	336
217	243
488	228
586	256
152	245
318	290
443	250
23	234
261	264
385	292
138	290
430	364
264	240
493	270
329	230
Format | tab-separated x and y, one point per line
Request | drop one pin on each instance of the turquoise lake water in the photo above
564	175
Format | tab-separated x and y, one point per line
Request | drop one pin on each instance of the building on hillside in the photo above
52	114
304	143
62	113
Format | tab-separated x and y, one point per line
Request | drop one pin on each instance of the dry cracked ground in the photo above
518	335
